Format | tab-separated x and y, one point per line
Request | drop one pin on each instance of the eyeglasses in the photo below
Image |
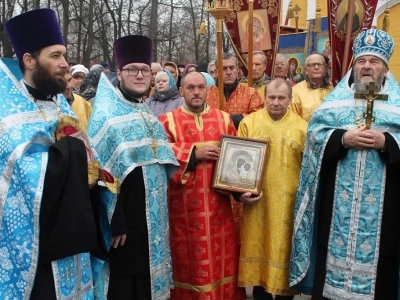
135	71
314	65
280	64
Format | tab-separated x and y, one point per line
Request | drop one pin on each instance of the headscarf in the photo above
187	67
209	80
171	80
89	84
172	90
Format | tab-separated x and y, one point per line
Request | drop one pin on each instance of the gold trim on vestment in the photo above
205	288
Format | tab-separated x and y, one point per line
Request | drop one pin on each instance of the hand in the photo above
118	240
358	138
379	139
246	198
207	152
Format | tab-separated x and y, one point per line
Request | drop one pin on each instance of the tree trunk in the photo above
153	26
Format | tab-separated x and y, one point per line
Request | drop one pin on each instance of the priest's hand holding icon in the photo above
248	199
207	152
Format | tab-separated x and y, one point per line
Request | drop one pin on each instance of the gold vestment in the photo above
306	100
268	224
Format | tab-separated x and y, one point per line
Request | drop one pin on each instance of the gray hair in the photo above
280	55
260	52
210	64
226	56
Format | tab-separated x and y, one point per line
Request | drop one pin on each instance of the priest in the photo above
268	219
346	238
133	147
204	245
47	220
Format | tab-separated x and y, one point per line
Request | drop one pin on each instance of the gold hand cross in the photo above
371	96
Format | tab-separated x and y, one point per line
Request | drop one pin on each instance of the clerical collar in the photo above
188	109
129	97
38	95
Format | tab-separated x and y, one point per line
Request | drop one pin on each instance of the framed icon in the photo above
240	166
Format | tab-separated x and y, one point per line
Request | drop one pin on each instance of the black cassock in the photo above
129	265
388	262
68	219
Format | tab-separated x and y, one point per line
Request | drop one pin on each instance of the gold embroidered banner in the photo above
266	20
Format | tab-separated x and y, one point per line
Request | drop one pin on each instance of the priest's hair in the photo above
277	82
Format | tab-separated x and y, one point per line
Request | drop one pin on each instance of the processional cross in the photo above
371	95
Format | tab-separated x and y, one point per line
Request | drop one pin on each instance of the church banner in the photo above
318	42
362	20
293	47
266	20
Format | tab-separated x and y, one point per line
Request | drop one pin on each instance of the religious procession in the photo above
262	163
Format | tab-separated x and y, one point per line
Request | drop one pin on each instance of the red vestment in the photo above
204	246
244	100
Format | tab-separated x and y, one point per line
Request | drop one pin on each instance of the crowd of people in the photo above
106	182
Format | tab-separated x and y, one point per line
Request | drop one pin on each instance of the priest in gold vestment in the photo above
268	219
309	93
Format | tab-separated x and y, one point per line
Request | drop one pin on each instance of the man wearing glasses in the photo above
133	146
309	93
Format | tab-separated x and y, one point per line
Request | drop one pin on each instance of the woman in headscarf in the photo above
189	68
166	97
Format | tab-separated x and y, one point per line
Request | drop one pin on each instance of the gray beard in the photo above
361	87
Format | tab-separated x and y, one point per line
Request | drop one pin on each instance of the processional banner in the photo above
266	20
293	47
362	20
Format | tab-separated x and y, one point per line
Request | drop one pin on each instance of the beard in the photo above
361	87
46	82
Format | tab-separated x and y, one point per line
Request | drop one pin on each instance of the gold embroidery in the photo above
205	288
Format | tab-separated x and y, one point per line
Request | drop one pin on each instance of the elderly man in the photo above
240	100
203	237
132	144
346	237
281	68
211	69
309	93
48	224
260	78
268	219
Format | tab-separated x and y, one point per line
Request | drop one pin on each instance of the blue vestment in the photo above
359	189
127	135
26	133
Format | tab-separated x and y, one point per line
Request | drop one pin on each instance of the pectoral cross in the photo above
154	146
371	96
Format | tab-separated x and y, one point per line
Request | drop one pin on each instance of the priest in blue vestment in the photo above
346	241
133	146
52	236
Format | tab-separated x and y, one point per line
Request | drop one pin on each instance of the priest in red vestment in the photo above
204	246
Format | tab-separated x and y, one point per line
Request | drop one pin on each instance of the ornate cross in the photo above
296	10
371	95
